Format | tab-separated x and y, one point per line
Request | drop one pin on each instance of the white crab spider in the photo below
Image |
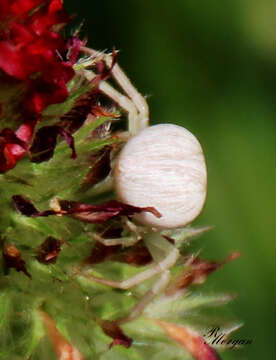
161	166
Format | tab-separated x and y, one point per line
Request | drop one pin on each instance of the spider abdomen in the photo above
163	166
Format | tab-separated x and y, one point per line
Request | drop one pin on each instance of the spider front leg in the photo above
132	102
131	234
164	254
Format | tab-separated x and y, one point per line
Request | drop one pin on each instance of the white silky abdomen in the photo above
163	166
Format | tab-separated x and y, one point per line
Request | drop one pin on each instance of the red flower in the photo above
16	8
29	41
32	48
31	52
13	146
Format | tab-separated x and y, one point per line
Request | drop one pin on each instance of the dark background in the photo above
211	67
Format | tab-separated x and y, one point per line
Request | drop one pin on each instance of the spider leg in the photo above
123	101
160	285
134	103
159	267
133	234
125	240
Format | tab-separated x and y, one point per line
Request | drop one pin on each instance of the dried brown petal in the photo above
25	207
138	255
100	168
64	350
113	231
197	273
45	142
81	211
101	253
75	118
12	259
190	340
48	251
170	240
101	212
113	330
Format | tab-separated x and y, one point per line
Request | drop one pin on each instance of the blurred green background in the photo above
211	67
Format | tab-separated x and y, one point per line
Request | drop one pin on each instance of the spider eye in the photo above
163	166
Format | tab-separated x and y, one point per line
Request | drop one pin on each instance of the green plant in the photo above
81	279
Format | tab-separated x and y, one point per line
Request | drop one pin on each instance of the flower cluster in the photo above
32	57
